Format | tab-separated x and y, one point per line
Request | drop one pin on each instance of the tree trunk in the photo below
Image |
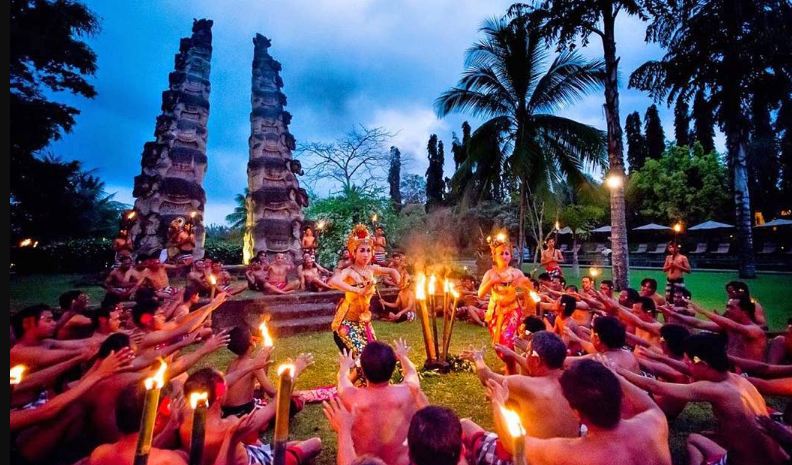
619	258
521	222
575	264
736	141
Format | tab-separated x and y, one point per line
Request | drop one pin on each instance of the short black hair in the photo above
747	305
682	290
607	282
113	343
611	331
550	348
534	324
543	277
651	282
674	336
434	437
189	292
129	408
144	293
709	347
632	295
110	301
594	391
18	320
204	380
378	361
568	305
647	303
240	340
143	307
572	287
367	459
65	299
738	286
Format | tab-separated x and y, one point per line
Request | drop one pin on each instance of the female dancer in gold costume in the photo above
504	313
351	326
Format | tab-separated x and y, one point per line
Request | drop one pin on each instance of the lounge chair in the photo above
641	248
701	247
723	248
600	248
661	248
769	247
563	248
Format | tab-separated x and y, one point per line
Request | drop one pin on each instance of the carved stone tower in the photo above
168	191
276	200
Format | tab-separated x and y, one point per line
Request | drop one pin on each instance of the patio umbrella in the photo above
602	229
776	222
707	225
565	230
651	227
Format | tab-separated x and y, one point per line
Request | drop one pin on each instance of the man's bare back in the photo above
544	410
123	453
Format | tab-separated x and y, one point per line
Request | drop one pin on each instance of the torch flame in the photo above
320	225
420	287
614	181
594	272
678	227
513	422
374	217
265	334
535	296
196	397
212	279
500	237
131	215
285	367
432	284
158	380
192	214
26	242
557	225
453	291
16	373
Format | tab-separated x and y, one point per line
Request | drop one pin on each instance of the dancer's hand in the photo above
497	392
401	348
346	361
303	361
472	354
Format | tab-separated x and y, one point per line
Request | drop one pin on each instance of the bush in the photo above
73	256
229	251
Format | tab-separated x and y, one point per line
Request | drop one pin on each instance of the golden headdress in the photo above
501	238
359	235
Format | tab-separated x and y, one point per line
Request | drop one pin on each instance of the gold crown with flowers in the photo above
499	239
360	235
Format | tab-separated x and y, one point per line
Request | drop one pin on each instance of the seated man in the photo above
277	276
197	278
780	348
33	328
735	402
71	320
595	394
540	403
256	275
404	303
120	282
223	279
312	275
106	319
151	327
737	289
344	261
649	289
608	337
382	411
213	382
155	276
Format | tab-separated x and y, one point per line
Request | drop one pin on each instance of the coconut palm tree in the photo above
238	218
511	78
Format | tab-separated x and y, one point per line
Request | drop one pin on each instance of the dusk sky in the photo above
377	63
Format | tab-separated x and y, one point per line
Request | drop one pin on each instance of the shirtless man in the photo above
128	413
311	273
71	320
735	402
382	411
642	317
119	282
197	278
668	366
736	289
256	275
404	303
551	257
106	320
345	261
308	241
675	267
396	262
595	395
277	276
779	350
542	408
223	279
155	275
33	327
608	337
213	382
379	246
649	289
587	284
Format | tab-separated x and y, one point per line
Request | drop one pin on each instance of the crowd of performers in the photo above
594	376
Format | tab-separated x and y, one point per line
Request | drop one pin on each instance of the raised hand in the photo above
497	392
521	344
401	348
346	361
113	362
217	341
338	415
472	354
303	361
263	358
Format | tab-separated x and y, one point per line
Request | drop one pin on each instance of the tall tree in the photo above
238	217
573	20
783	125
413	189
655	136
354	161
394	178
511	79
763	157
636	142
723	47
681	123
434	173
703	122
46	56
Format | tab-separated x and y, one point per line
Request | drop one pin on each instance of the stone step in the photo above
302	325
290	312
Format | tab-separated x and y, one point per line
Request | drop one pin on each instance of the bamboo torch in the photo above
420	297
537	300
199	401
447	341
213	282
282	405
145	435
16	375
433	309
517	433
444	354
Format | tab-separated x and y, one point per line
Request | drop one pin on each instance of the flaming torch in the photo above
213	282
432	290
452	313
199	401
16	375
282	405
537	300
153	386
517	433
265	335
420	297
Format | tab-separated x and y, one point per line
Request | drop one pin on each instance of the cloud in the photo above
412	125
